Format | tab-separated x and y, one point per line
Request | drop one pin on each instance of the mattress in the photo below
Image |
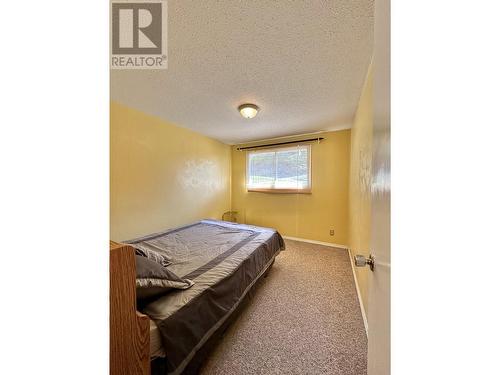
155	347
224	260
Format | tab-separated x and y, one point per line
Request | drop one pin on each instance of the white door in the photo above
379	279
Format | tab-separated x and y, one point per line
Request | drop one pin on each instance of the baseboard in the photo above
316	242
363	312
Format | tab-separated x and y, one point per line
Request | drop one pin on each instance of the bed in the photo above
224	260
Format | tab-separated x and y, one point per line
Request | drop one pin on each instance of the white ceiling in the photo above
302	62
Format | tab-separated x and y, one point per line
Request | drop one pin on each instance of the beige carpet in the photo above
304	318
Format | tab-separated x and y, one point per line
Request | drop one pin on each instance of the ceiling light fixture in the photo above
248	110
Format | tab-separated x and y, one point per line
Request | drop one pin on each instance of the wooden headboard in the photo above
129	329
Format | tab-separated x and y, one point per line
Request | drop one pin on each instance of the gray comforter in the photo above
224	260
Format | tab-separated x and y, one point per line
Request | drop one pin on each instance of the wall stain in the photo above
199	174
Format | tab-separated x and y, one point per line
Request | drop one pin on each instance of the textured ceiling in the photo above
302	62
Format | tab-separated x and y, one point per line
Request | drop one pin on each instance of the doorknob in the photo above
361	261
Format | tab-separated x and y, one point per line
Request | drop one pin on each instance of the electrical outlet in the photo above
332	232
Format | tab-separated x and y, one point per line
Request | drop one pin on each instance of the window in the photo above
286	170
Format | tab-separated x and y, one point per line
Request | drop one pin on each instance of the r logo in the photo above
137	28
139	34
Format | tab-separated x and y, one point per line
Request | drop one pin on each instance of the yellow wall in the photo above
308	216
162	175
360	180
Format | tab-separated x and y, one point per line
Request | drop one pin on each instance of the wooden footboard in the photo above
129	329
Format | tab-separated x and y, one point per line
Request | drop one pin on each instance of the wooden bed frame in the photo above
129	329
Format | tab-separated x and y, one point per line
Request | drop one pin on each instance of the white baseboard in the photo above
363	313
316	242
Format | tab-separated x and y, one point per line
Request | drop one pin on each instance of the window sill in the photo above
281	191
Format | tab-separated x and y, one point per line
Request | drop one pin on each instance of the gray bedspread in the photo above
224	260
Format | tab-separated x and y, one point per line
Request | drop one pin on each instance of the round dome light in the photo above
248	110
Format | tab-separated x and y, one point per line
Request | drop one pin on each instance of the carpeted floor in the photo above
304	318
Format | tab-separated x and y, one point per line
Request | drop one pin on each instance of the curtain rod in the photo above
281	143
